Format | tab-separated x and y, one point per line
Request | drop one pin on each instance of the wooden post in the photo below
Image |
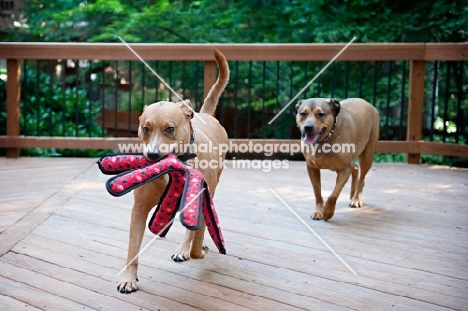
415	106
13	96
209	77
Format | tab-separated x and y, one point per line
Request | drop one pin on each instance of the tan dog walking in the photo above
166	124
337	133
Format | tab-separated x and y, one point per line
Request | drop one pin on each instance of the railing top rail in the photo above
267	52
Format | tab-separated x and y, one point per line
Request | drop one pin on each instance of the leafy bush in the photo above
54	109
390	157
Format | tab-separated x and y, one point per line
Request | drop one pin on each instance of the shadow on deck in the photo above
64	238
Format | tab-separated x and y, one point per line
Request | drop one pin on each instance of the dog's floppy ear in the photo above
299	102
335	106
186	107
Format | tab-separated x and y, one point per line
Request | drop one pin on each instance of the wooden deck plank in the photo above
52	184
38	277
35	297
9	303
407	244
398	248
104	291
178	271
89	233
70	209
161	285
200	281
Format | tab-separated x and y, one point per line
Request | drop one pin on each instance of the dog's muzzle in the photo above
309	136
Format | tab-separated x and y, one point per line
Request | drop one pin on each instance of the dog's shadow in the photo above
371	216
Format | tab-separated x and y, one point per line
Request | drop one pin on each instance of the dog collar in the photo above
192	140
192	137
186	156
331	132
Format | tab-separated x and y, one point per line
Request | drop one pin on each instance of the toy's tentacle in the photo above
161	221
126	182
212	223
191	202
115	164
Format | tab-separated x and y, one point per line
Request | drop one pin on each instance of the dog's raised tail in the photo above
211	100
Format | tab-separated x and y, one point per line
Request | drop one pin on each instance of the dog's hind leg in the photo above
192	245
365	163
198	251
354	178
182	253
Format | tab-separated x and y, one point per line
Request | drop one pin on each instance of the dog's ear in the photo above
299	102
335	106
144	108
186	107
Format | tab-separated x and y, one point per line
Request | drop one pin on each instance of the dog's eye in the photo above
145	130
303	114
170	130
320	114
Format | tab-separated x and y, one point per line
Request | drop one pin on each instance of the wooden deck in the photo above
64	238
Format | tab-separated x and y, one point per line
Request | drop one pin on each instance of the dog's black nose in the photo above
308	128
153	155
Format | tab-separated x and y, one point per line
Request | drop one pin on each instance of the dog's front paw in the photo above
180	257
127	286
316	216
182	253
328	213
355	203
328	210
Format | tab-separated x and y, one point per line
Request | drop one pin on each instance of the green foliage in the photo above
260	21
389	157
442	160
53	109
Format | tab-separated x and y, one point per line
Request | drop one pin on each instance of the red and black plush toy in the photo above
186	191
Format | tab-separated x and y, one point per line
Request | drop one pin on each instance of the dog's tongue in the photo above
311	139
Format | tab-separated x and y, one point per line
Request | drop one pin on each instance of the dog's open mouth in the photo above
311	139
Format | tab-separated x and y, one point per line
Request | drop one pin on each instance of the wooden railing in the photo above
417	54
